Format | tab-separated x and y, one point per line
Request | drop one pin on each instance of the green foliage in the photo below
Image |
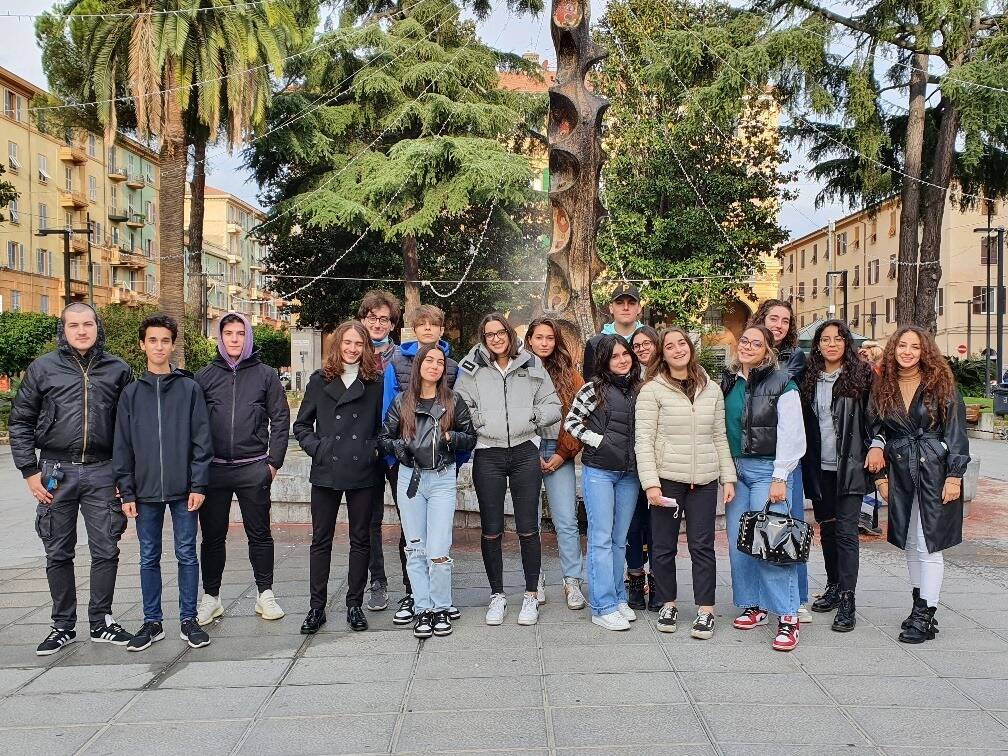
274	346
7	191
23	337
969	375
6	400
122	337
199	350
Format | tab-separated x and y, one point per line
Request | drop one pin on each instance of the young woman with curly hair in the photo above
834	392
918	426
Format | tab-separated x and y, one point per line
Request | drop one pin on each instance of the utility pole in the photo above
999	298
969	324
997	303
843	284
90	272
66	233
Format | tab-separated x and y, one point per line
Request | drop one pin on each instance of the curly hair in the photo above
790	340
937	384
560	364
332	368
855	374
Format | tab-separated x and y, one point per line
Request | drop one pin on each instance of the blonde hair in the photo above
769	360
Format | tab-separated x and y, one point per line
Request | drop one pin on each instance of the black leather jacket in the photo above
759	415
428	449
852	438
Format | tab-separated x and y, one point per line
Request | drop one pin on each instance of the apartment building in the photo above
65	180
233	262
865	244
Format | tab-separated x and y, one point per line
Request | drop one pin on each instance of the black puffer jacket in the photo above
850	422
428	449
759	415
793	360
615	423
162	441
66	405
249	414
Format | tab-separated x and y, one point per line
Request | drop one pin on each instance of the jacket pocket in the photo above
117	521
43	522
45	422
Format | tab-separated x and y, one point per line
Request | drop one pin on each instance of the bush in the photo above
6	399
23	337
969	375
274	346
122	330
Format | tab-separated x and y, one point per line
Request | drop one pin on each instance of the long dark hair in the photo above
790	340
937	383
560	364
332	368
409	398
512	336
855	374
603	376
694	373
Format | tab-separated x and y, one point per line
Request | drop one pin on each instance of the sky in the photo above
501	29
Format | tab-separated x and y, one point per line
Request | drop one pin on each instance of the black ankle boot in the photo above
920	624
844	621
829	600
653	604
635	592
906	623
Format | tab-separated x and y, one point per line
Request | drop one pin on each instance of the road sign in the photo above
962	350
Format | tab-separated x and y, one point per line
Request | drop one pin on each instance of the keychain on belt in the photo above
54	477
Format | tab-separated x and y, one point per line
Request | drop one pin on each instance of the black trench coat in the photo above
920	454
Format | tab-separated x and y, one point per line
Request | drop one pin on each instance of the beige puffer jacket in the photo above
681	440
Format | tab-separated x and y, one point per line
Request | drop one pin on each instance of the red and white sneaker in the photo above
787	633
750	618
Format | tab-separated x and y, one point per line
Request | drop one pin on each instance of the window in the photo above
888	311
940	302
857	237
151	285
873	272
96	273
893	222
44	304
13	105
803	259
874	230
114	196
15	255
67	220
43	169
92	188
841	243
892	266
149	211
856	281
148	247
857	314
12	157
790	264
815	288
15	300
815	253
14	212
802	322
988	250
984	304
68	178
111	159
92	145
801	291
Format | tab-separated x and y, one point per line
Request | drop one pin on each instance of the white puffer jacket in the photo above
680	440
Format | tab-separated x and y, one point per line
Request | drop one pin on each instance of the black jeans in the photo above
251	484
639	541
325	504
89	489
377	564
837	517
699	505
494	470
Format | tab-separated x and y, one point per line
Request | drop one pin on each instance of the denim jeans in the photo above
149	525
756	582
798	512
427	522
610	499
561	490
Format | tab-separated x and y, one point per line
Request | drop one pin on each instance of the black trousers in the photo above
251	484
837	516
638	541
325	504
698	504
494	471
377	564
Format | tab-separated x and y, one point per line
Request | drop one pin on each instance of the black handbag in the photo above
774	537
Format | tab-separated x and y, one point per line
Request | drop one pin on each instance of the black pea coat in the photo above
920	454
338	428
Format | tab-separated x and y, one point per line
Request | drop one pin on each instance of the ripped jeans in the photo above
427	521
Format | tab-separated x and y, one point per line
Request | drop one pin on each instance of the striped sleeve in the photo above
576	422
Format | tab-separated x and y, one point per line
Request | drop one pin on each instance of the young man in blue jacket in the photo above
161	458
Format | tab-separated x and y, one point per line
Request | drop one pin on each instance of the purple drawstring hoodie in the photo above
246	351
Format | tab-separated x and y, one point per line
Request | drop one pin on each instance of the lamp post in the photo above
843	284
66	233
987	231
969	323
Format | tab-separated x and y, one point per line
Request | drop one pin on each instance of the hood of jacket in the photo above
63	345
410	348
170	377
246	351
610	329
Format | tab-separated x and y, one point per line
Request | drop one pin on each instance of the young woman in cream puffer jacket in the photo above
682	452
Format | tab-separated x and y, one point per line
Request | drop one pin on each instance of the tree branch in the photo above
904	40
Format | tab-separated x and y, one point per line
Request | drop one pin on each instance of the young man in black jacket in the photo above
250	425
161	458
625	308
66	408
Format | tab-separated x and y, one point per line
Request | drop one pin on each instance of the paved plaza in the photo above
563	686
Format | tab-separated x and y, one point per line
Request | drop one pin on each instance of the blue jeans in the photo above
798	512
561	490
610	498
149	525
755	582
427	521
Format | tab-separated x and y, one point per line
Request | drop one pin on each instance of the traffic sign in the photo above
962	350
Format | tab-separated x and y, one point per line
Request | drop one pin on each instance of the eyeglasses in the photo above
494	335
747	342
372	320
829	341
642	345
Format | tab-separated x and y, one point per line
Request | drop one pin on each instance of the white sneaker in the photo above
628	614
572	589
612	621
541	588
267	606
804	615
529	613
210	608
495	612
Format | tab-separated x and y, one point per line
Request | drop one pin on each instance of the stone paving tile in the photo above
22	600
93	677
706	658
190	673
255	647
724	687
474	635
765	749
64	708
585	633
498	662
996	619
618	658
623	726
349	669
960	639
607	689
363	644
900	692
990	694
996	601
351	733
780	725
893	617
931	751
934	727
498	728
195	704
345	698
510	692
693	749
985	664
170	738
97	654
891	661
48	740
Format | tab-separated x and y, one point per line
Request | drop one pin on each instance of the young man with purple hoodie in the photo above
250	425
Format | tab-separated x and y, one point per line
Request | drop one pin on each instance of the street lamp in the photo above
66	233
969	322
988	231
843	284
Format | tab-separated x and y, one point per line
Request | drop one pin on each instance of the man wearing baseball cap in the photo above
625	308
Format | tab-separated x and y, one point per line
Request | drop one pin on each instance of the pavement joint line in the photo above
546	708
401	714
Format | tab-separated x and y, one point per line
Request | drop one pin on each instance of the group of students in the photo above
658	438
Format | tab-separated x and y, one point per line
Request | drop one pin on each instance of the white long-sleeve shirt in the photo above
790	434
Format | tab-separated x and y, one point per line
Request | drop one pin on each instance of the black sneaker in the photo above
703	626
193	634
55	641
424	625
442	623
149	633
454	612
404	614
109	631
668	618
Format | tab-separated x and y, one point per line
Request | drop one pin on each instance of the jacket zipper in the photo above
507	419
234	400
157	392
84	373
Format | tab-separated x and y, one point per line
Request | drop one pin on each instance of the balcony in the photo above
133	294
135	181
234	288
136	220
72	153
72	199
117	174
234	228
117	215
78	287
123	257
233	259
78	244
257	265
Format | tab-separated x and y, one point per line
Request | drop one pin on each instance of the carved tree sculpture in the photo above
575	163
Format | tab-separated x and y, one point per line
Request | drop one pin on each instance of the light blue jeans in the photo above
756	582
561	489
427	524
610	499
798	512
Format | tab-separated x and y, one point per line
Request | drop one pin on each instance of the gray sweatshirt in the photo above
824	413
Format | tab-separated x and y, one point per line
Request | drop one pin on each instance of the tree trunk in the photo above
195	284
934	211
411	272
171	215
906	271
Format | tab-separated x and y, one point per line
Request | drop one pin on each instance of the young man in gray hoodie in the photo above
250	425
